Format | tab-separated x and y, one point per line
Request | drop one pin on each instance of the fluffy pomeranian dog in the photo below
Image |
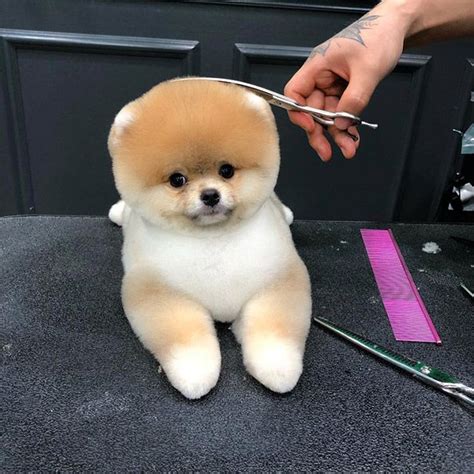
205	237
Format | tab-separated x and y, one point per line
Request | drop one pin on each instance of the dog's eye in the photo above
226	171
177	180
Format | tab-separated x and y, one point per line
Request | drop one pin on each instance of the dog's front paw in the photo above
276	363
116	212
288	213
193	370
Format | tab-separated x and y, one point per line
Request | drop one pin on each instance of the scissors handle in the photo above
430	375
460	393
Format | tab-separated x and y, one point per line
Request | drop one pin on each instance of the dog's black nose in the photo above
210	197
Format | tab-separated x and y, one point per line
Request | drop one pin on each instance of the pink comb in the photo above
406	312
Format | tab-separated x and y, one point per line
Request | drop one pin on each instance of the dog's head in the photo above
195	153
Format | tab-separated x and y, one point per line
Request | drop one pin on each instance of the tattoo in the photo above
320	49
352	32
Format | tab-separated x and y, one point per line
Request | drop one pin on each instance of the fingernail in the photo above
354	137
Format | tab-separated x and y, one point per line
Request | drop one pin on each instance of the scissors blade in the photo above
266	94
279	100
271	97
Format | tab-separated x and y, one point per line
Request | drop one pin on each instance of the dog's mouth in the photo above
210	215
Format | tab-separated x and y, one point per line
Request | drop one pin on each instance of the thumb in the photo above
356	97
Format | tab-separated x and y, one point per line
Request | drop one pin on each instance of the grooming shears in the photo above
322	117
430	375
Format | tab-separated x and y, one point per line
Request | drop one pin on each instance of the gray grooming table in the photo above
81	393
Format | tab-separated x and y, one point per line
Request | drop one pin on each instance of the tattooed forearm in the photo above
353	32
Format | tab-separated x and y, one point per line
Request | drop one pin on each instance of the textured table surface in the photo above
81	393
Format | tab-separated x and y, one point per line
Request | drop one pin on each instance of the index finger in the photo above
299	88
301	85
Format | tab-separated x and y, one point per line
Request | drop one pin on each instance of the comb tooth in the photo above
406	312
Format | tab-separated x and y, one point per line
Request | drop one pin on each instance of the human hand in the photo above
342	73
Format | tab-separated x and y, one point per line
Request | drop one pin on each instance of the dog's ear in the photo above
123	120
122	123
256	102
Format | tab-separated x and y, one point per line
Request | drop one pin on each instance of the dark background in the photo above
67	67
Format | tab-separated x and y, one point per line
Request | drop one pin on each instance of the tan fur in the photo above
167	128
270	312
176	330
167	318
273	328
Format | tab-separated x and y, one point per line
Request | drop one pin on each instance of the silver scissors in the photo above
322	117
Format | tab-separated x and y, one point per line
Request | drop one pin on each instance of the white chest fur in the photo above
223	271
